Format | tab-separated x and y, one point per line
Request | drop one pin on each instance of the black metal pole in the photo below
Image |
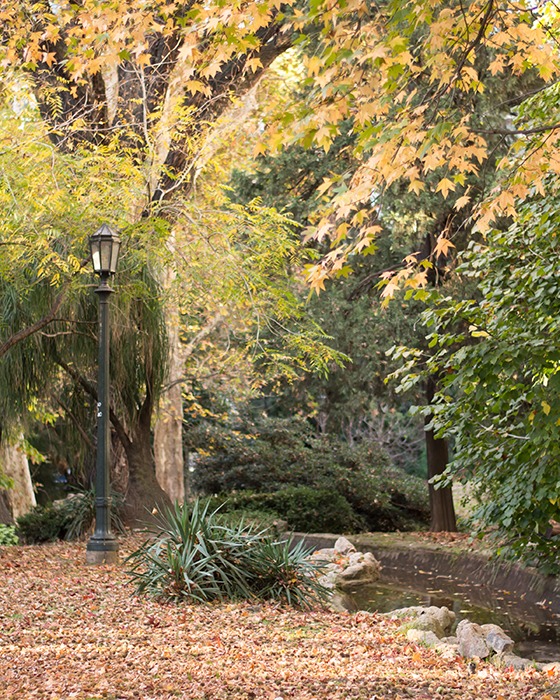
103	546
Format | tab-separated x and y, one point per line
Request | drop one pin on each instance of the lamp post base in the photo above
102	551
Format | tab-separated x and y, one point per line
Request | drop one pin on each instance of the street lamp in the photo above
102	547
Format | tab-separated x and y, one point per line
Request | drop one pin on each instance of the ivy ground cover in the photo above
72	631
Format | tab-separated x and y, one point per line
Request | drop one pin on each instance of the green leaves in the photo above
497	359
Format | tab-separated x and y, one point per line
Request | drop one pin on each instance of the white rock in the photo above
364	571
497	639
432	619
448	651
344	546
471	640
441	619
425	637
513	661
323	555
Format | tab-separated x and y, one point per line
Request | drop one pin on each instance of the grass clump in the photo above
193	555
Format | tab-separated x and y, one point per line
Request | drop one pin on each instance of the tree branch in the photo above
92	391
515	132
30	330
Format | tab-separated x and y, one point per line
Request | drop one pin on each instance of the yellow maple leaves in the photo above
410	103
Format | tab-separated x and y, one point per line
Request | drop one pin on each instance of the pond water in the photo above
537	638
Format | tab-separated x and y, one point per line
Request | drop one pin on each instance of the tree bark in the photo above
14	463
6	517
144	495
168	444
441	499
168	429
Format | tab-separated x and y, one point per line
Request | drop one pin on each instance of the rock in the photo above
448	650
328	579
344	546
553	666
432	619
497	639
363	570
425	637
344	567
512	661
323	555
471	640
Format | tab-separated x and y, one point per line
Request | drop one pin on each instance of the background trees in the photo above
122	79
400	132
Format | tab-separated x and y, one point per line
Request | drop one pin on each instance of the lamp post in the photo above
102	547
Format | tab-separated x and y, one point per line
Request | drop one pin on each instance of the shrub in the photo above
68	519
248	513
303	508
192	557
8	535
41	524
79	513
274	455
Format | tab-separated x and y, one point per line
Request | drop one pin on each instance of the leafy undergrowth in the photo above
72	631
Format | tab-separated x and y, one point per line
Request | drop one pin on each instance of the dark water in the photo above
536	637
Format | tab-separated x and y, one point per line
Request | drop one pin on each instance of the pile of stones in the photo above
344	568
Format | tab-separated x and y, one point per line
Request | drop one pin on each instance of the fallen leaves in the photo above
70	631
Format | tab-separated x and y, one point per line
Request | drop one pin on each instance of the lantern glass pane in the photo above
115	255
106	248
96	257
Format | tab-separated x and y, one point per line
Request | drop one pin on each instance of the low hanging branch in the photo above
92	391
37	326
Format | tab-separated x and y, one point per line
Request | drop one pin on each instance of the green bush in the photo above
68	519
274	455
191	556
304	509
79	512
231	514
41	524
8	535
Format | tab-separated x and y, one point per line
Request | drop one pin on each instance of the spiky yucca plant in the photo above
194	556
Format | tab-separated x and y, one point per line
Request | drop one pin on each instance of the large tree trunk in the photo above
15	465
168	444
441	499
168	430
144	495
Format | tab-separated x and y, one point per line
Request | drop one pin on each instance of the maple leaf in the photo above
442	246
445	186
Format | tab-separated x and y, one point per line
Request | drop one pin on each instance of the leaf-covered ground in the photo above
72	631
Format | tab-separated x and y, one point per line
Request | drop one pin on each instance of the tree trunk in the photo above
144	495
15	465
168	444
441	499
6	517
168	430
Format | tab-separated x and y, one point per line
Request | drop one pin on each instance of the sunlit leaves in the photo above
409	76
